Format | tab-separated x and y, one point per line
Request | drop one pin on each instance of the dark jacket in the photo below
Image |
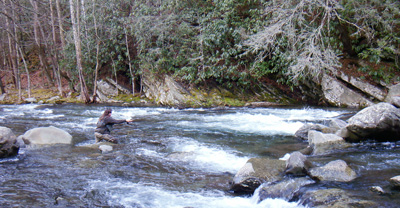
104	126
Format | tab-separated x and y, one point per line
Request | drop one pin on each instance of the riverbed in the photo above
171	157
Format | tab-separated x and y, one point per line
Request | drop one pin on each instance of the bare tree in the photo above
54	58
301	31
11	43
307	48
98	42
78	48
129	62
60	24
38	41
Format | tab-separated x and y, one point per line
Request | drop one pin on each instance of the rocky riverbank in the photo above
287	177
333	88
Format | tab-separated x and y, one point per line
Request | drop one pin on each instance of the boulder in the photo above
8	143
256	172
46	135
285	189
297	164
53	99
338	94
377	189
109	88
165	91
31	100
325	143
363	86
302	133
393	95
380	121
334	198
395	101
333	171
395	181
335	125
105	148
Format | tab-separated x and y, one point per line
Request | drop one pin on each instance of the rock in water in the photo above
333	171
395	181
46	135
297	164
380	122
257	171
8	143
325	143
105	148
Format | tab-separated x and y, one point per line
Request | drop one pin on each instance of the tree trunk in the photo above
3	66
27	72
54	58
75	27
96	72
130	64
60	25
11	48
38	41
345	38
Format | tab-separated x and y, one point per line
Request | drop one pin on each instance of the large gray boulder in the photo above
46	136
380	121
106	89
8	143
338	94
285	189
363	86
337	170
256	172
325	143
165	90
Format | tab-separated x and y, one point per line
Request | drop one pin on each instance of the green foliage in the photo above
235	42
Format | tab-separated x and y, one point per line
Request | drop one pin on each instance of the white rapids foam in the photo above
130	194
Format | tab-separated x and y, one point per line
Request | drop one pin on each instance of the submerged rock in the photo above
337	170
333	198
8	143
284	189
46	135
380	121
255	172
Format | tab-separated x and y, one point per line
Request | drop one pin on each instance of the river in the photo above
167	157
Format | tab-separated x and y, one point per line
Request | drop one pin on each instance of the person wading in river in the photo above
104	126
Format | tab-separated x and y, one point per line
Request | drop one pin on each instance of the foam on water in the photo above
199	156
209	158
260	121
128	194
246	123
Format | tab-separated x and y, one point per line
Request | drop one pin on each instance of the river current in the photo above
166	158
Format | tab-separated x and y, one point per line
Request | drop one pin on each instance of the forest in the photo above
235	43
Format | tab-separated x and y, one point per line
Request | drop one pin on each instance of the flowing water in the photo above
168	157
